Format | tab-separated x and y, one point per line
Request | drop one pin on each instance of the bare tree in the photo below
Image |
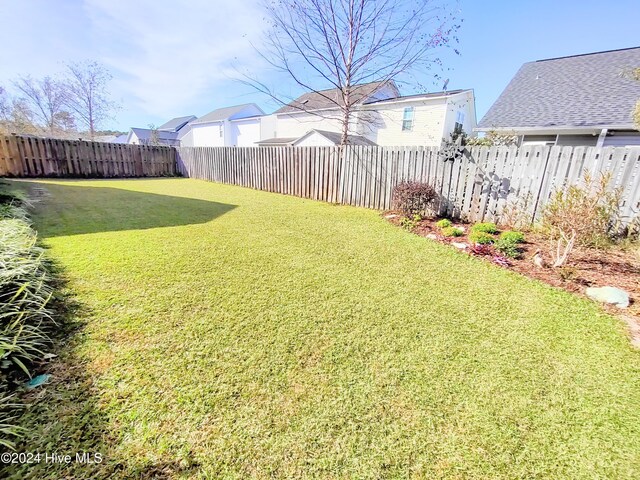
154	136
344	44
86	94
44	98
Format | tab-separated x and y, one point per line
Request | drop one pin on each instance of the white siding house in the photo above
225	127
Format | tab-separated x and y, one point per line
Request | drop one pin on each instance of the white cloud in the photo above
165	56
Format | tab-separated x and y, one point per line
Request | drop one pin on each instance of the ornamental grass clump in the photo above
25	317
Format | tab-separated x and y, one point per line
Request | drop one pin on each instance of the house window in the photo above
457	129
407	119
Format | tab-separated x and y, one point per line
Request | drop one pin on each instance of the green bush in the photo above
508	247
486	227
451	232
482	238
512	236
444	223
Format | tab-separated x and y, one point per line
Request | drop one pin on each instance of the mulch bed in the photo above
587	267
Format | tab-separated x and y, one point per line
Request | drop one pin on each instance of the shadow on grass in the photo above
73	210
64	416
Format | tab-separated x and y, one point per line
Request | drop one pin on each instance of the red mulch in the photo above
587	267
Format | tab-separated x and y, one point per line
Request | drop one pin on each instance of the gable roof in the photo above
329	98
144	135
421	96
335	137
577	91
176	124
277	141
225	113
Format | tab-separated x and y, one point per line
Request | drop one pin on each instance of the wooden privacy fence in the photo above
482	183
47	157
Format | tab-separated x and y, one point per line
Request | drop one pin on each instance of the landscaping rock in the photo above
432	236
612	295
461	246
393	215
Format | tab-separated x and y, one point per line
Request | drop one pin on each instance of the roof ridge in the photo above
585	54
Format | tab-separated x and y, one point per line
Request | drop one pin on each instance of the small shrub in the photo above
414	198
444	223
451	232
481	250
567	273
485	227
512	236
508	247
585	214
481	238
409	223
500	260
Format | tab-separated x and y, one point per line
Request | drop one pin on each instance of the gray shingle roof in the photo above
176	124
224	113
329	98
144	135
335	137
277	141
578	91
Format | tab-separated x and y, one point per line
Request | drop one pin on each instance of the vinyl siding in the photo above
577	140
207	135
296	125
623	139
428	124
245	133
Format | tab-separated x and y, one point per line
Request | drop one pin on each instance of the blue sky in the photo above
177	58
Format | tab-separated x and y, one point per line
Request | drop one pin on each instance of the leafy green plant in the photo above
414	198
409	223
512	236
485	227
452	232
507	247
482	238
444	223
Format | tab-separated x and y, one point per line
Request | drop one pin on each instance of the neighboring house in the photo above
381	116
121	138
581	100
176	124
237	126
145	136
323	138
166	134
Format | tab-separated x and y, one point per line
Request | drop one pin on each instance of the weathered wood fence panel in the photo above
47	157
481	184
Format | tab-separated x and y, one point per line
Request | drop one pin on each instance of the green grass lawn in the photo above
231	333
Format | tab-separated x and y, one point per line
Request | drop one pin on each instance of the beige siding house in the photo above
381	117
